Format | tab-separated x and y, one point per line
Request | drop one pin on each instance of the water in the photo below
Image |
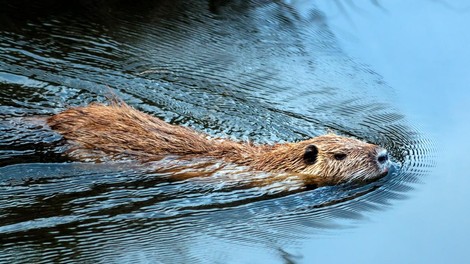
420	50
260	71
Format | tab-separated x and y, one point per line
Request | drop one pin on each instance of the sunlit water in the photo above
259	71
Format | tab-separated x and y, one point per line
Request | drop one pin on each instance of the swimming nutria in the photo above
120	130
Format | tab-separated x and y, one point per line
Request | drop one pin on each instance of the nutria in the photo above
119	130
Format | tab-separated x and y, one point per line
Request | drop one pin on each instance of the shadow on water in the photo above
259	70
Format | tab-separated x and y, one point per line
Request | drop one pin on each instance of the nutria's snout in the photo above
383	161
382	156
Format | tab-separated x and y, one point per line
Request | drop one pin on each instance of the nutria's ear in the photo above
310	154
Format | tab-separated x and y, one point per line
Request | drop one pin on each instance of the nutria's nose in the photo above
382	156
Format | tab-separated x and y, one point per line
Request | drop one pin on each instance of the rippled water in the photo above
260	71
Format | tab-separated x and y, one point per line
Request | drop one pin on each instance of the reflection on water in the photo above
260	71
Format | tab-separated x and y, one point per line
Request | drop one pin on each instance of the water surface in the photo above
260	71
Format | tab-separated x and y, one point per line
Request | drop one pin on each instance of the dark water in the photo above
260	71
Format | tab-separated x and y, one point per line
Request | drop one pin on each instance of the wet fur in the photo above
118	131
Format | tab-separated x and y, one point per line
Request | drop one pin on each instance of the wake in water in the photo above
257	71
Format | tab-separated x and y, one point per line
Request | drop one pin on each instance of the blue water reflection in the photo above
259	70
421	49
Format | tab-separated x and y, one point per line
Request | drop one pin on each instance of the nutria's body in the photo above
120	130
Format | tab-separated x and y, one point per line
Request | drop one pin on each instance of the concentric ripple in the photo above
259	70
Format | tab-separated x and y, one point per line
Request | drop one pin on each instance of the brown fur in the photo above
119	130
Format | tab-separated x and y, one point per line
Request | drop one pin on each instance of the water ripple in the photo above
258	71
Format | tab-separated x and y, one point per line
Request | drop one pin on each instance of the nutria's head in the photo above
343	159
328	159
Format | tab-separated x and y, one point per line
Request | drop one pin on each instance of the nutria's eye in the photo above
310	154
340	156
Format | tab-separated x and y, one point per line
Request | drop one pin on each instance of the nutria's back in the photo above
119	131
